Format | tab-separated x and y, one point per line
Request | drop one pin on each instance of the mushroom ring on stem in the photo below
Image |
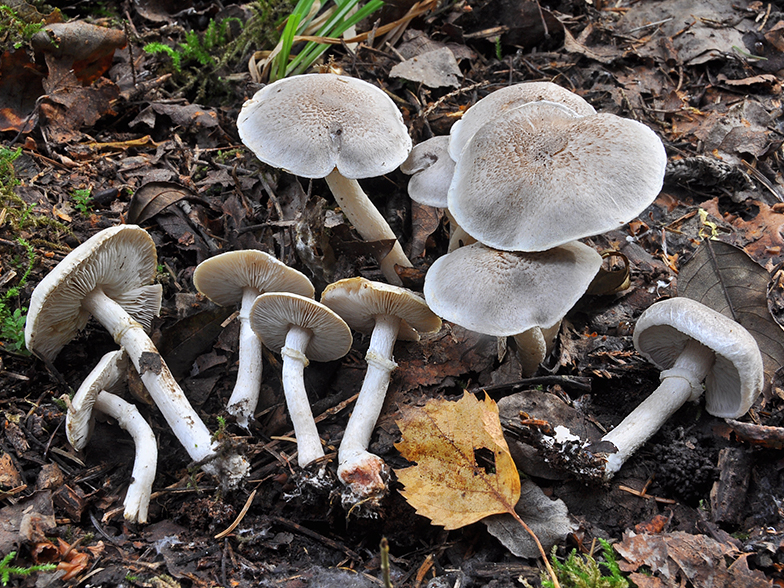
96	392
238	277
300	329
507	293
334	127
386	313
110	277
691	343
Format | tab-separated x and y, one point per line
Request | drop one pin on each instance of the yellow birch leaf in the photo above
448	484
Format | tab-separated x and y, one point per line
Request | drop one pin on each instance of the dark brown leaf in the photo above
20	87
725	279
153	197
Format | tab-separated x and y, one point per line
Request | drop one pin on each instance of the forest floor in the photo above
120	136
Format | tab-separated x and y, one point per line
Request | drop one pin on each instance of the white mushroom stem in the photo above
368	222
245	396
679	384
189	429
309	446
137	498
357	467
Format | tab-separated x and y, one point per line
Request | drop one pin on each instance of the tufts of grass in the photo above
340	16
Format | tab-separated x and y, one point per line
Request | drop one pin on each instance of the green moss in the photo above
583	571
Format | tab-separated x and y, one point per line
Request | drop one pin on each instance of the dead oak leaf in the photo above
464	471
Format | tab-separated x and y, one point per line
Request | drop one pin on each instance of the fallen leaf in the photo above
727	280
548	518
20	87
678	557
434	69
153	197
464	471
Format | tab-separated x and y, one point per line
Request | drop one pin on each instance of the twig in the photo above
239	518
317	536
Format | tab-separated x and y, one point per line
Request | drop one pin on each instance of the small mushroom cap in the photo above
540	176
497	103
222	278
311	124
108	376
274	313
360	301
736	378
504	293
431	170
121	260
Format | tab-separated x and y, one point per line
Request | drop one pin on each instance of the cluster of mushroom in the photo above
526	172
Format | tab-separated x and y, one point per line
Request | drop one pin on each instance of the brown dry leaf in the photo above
20	87
464	471
153	197
678	557
727	280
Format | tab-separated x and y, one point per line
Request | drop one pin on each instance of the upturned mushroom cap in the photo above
274	313
497	103
107	376
737	376
121	260
223	277
504	293
431	170
359	301
540	176
311	124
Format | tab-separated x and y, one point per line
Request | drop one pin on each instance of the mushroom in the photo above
386	313
333	127
499	102
540	175
504	293
96	393
431	170
300	329
691	343
110	277
238	277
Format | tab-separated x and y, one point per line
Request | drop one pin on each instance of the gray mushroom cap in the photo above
431	170
359	301
310	124
274	313
737	376
121	260
499	102
504	293
540	176
222	278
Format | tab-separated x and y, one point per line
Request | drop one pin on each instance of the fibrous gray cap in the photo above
273	314
504	293
222	278
311	124
736	378
359	301
431	170
120	260
540	176
499	102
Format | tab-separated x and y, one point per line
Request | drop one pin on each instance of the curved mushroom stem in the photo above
137	498
309	446
680	383
368	222
189	429
364	473
245	396
534	345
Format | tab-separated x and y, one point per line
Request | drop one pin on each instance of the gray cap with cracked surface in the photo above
736	378
540	176
504	293
310	124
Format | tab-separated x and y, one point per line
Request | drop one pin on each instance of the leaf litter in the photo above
687	90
